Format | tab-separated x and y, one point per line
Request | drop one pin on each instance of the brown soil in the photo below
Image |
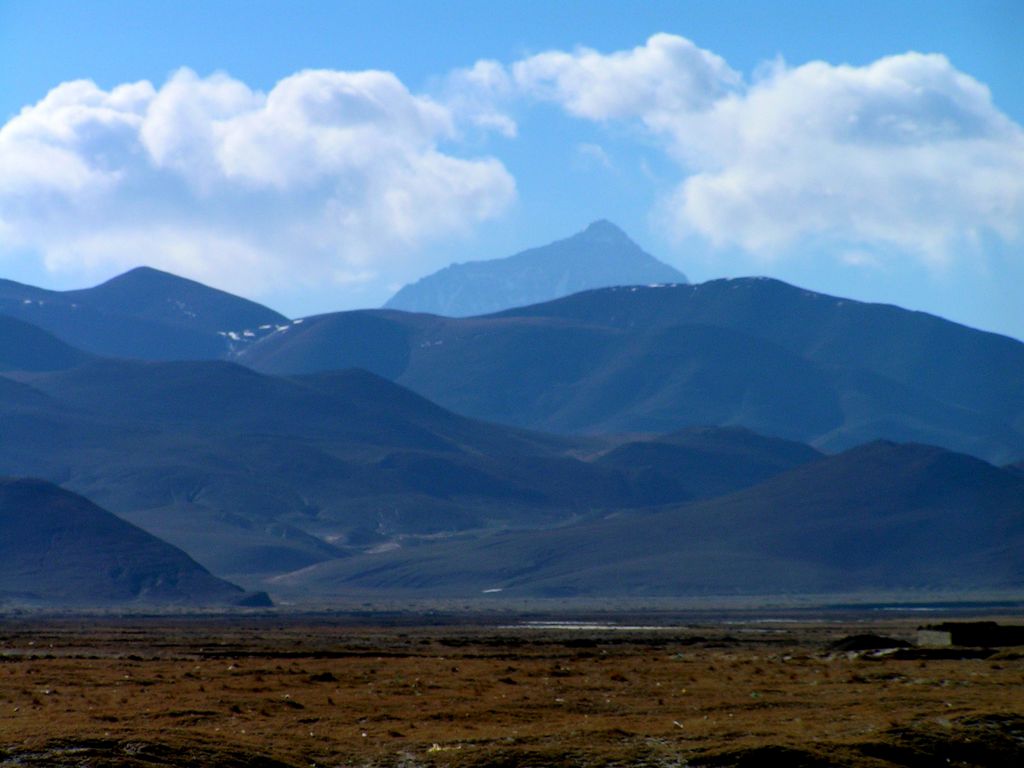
275	692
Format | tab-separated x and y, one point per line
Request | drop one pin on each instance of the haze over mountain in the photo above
599	256
57	548
877	518
749	352
143	313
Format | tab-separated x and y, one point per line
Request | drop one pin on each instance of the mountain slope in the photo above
255	474
24	347
962	366
601	255
58	548
161	297
252	473
702	462
144	313
746	352
880	517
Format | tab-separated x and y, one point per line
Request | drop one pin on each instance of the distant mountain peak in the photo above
604	228
600	256
142	271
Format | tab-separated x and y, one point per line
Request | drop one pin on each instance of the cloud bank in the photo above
331	176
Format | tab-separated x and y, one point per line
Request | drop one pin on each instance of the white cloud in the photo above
476	93
667	74
906	154
329	176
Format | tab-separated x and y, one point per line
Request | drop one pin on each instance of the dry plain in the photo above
277	691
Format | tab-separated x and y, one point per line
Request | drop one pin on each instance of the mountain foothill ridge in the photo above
662	438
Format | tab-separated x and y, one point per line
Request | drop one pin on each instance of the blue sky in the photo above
801	140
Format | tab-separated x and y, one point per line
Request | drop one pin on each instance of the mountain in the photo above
58	548
953	363
25	347
255	474
144	313
703	462
601	255
344	482
750	352
877	518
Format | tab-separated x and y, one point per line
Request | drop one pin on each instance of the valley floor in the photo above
276	691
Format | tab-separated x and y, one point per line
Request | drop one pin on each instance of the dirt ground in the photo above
274	692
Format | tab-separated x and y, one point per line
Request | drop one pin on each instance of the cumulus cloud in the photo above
330	176
667	74
906	153
479	93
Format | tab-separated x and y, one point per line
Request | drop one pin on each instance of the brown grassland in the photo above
272	691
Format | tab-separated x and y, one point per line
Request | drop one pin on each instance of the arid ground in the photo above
271	691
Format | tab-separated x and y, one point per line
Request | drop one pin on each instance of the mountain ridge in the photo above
144	313
832	371
876	518
253	473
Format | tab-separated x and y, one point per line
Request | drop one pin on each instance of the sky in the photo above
317	156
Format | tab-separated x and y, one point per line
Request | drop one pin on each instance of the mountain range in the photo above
601	255
751	352
876	518
738	435
255	474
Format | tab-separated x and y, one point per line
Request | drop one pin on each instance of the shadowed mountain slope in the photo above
599	256
58	548
256	474
238	468
748	352
878	517
702	462
26	347
144	313
349	482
